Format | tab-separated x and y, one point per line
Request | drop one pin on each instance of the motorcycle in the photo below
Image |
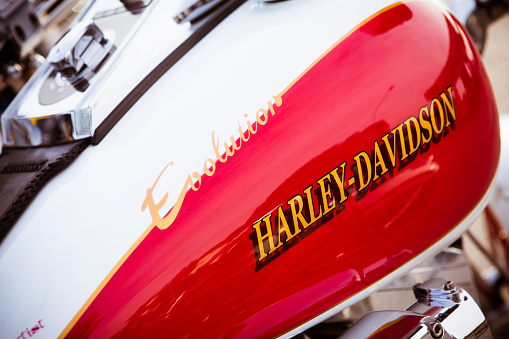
247	169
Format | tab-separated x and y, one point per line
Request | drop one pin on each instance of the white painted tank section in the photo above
81	224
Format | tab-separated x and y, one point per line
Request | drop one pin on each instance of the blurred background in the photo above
496	58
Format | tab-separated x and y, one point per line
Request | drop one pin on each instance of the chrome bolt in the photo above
436	330
448	286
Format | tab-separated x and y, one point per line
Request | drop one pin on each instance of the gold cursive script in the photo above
209	168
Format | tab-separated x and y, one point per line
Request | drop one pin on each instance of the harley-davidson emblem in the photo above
325	198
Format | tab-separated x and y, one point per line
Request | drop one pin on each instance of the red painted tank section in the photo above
198	278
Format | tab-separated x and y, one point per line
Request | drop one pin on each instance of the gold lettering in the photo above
448	105
408	123
154	208
311	205
379	162
190	180
363	184
265	117
326	194
209	171
402	143
271	108
229	151
163	223
436	103
425	124
250	127
340	181
234	144
282	221
216	148
391	150
278	102
297	214
269	236
242	134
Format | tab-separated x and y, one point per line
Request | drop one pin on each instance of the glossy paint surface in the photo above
85	220
203	277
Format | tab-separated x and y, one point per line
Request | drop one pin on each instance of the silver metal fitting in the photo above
80	54
442	310
193	9
57	103
437	291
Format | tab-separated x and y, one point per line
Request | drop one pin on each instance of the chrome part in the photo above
191	10
442	310
54	17
435	329
398	295
26	25
19	20
453	307
450	263
396	324
39	127
436	292
52	130
57	103
14	72
80	53
132	5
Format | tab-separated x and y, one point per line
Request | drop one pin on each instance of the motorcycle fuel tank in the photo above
302	155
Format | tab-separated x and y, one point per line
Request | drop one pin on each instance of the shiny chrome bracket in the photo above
442	310
191	10
57	103
74	60
51	130
396	324
453	307
40	125
80	54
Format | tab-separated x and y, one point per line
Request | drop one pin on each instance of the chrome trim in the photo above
442	310
436	292
51	130
80	54
396	324
191	12
133	5
453	307
56	105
